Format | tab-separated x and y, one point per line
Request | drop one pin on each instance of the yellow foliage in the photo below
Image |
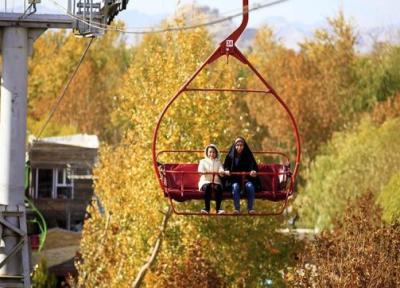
116	243
126	183
88	102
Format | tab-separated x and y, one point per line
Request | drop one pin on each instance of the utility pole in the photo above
18	31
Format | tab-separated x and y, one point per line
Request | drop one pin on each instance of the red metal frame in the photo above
228	48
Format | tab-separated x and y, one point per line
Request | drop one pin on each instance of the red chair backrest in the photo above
270	182
177	180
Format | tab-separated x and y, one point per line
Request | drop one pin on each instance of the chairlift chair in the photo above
179	181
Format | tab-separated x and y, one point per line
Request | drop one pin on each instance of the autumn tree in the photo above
359	252
353	163
116	242
317	83
89	101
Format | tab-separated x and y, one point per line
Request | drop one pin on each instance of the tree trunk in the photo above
155	250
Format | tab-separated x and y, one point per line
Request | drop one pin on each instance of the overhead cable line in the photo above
60	97
111	28
170	29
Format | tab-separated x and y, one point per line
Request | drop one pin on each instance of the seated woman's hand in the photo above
227	172
253	173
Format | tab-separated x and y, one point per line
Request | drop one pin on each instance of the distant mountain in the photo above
136	19
290	33
293	33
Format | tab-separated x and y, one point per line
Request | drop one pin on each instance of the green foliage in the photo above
41	278
390	76
389	199
379	76
353	163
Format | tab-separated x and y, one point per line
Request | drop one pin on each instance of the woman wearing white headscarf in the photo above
210	183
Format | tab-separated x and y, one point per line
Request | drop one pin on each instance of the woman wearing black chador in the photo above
241	159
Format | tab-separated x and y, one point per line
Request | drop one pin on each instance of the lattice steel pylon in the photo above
13	226
16	44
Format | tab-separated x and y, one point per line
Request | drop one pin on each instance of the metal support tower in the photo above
16	39
15	43
18	31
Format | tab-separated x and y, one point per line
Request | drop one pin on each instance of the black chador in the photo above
245	162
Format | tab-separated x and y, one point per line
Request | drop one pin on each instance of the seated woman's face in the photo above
211	153
239	146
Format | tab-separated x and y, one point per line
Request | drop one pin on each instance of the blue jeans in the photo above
250	191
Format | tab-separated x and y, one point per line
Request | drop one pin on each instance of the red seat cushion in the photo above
184	186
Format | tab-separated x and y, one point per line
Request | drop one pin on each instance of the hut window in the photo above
64	185
44	180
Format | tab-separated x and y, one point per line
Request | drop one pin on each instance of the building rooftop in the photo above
75	150
80	140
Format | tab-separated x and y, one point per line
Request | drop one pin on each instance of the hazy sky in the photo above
366	13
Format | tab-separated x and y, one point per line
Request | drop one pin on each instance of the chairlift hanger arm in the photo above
173	182
228	46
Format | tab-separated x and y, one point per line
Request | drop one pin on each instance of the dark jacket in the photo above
245	162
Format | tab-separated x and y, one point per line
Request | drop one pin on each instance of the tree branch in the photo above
155	250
